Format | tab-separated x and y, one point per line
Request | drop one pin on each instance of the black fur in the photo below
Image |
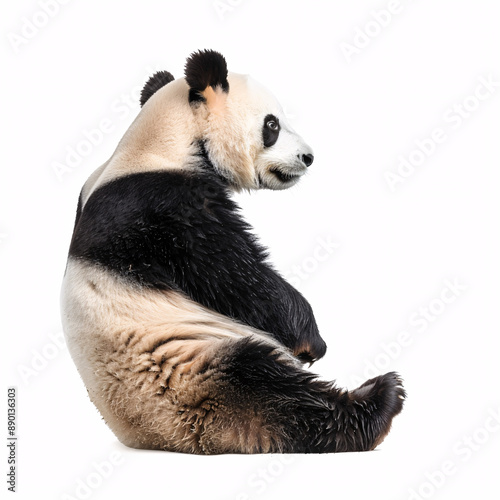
269	135
308	415
180	231
205	68
155	83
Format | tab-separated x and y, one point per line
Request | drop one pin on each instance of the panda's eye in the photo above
270	130
271	124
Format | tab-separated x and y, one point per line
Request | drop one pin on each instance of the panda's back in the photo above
145	226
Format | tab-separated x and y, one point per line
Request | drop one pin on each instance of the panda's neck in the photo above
207	165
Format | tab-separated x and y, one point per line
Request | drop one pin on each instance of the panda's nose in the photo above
307	159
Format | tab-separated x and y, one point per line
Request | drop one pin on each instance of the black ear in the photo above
156	82
205	68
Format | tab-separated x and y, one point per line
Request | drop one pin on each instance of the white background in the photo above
396	248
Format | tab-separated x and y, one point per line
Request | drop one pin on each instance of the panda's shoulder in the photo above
157	190
136	211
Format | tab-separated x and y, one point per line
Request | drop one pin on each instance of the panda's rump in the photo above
146	355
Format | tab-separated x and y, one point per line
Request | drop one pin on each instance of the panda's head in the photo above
239	124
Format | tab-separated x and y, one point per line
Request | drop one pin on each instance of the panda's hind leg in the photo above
263	402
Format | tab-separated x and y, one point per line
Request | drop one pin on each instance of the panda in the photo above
185	336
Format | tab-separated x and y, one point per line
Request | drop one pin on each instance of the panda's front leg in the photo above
233	277
237	281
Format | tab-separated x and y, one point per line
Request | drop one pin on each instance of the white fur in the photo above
163	137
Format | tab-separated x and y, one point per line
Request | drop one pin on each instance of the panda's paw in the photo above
310	349
378	401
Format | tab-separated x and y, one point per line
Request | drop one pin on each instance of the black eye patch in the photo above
270	130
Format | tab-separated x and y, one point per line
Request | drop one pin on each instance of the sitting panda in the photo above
185	336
